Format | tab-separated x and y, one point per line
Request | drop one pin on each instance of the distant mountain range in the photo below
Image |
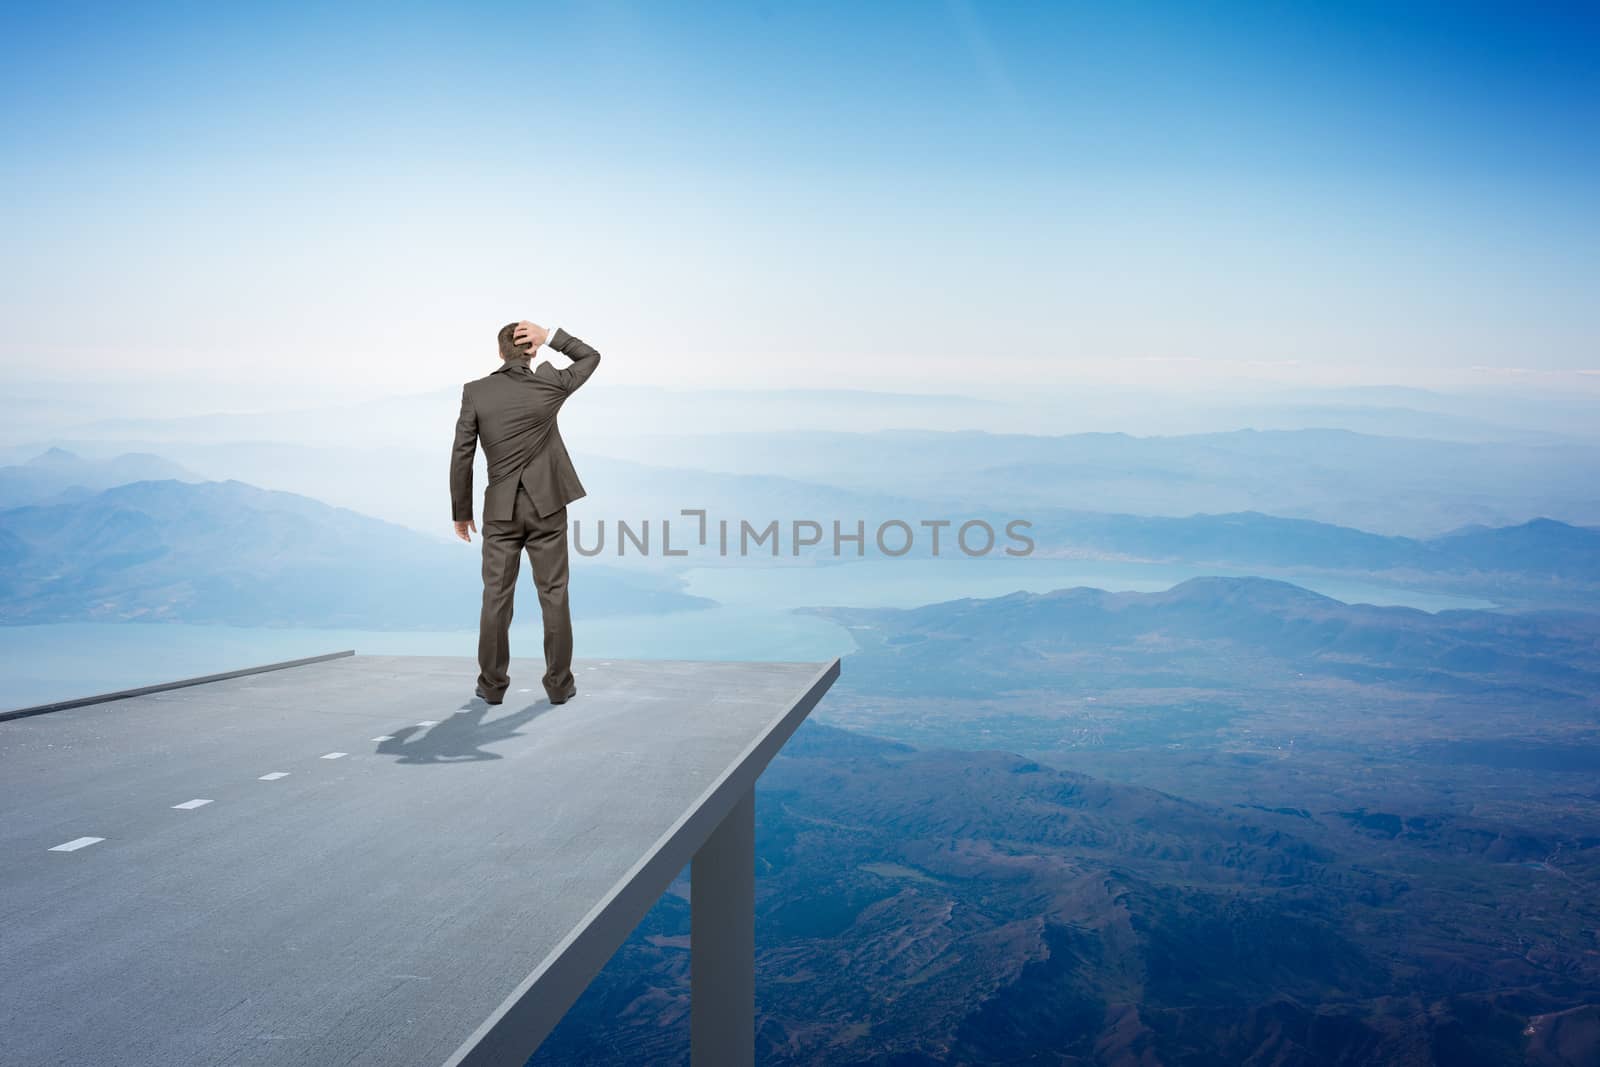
56	471
1541	550
1251	690
81	554
371	457
227	552
1540	563
1394	485
1202	632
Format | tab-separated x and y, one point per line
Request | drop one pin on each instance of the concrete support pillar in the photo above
722	923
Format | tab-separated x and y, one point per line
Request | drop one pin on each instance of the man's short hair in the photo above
509	349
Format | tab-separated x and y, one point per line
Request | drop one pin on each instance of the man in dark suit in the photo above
512	411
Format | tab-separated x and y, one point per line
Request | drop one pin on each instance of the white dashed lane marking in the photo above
199	802
77	843
273	776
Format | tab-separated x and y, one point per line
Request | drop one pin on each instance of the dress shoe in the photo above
487	699
562	698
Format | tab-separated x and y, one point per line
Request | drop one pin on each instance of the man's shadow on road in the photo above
456	739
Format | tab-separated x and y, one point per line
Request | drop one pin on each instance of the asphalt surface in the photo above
351	862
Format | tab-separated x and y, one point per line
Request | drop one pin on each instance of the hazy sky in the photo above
923	196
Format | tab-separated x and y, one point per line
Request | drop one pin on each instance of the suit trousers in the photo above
545	540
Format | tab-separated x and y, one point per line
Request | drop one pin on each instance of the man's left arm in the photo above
461	456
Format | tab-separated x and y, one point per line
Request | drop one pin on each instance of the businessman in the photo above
512	411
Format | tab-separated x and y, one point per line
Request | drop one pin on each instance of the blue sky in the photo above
925	196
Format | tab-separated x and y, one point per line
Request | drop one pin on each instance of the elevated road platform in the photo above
354	861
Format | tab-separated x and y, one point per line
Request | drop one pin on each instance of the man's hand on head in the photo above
532	334
463	527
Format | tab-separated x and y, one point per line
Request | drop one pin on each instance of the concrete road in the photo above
348	862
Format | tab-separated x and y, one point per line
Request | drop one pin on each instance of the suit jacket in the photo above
513	413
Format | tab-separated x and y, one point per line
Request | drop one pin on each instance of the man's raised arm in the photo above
585	358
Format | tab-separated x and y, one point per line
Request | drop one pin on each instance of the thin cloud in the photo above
988	60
